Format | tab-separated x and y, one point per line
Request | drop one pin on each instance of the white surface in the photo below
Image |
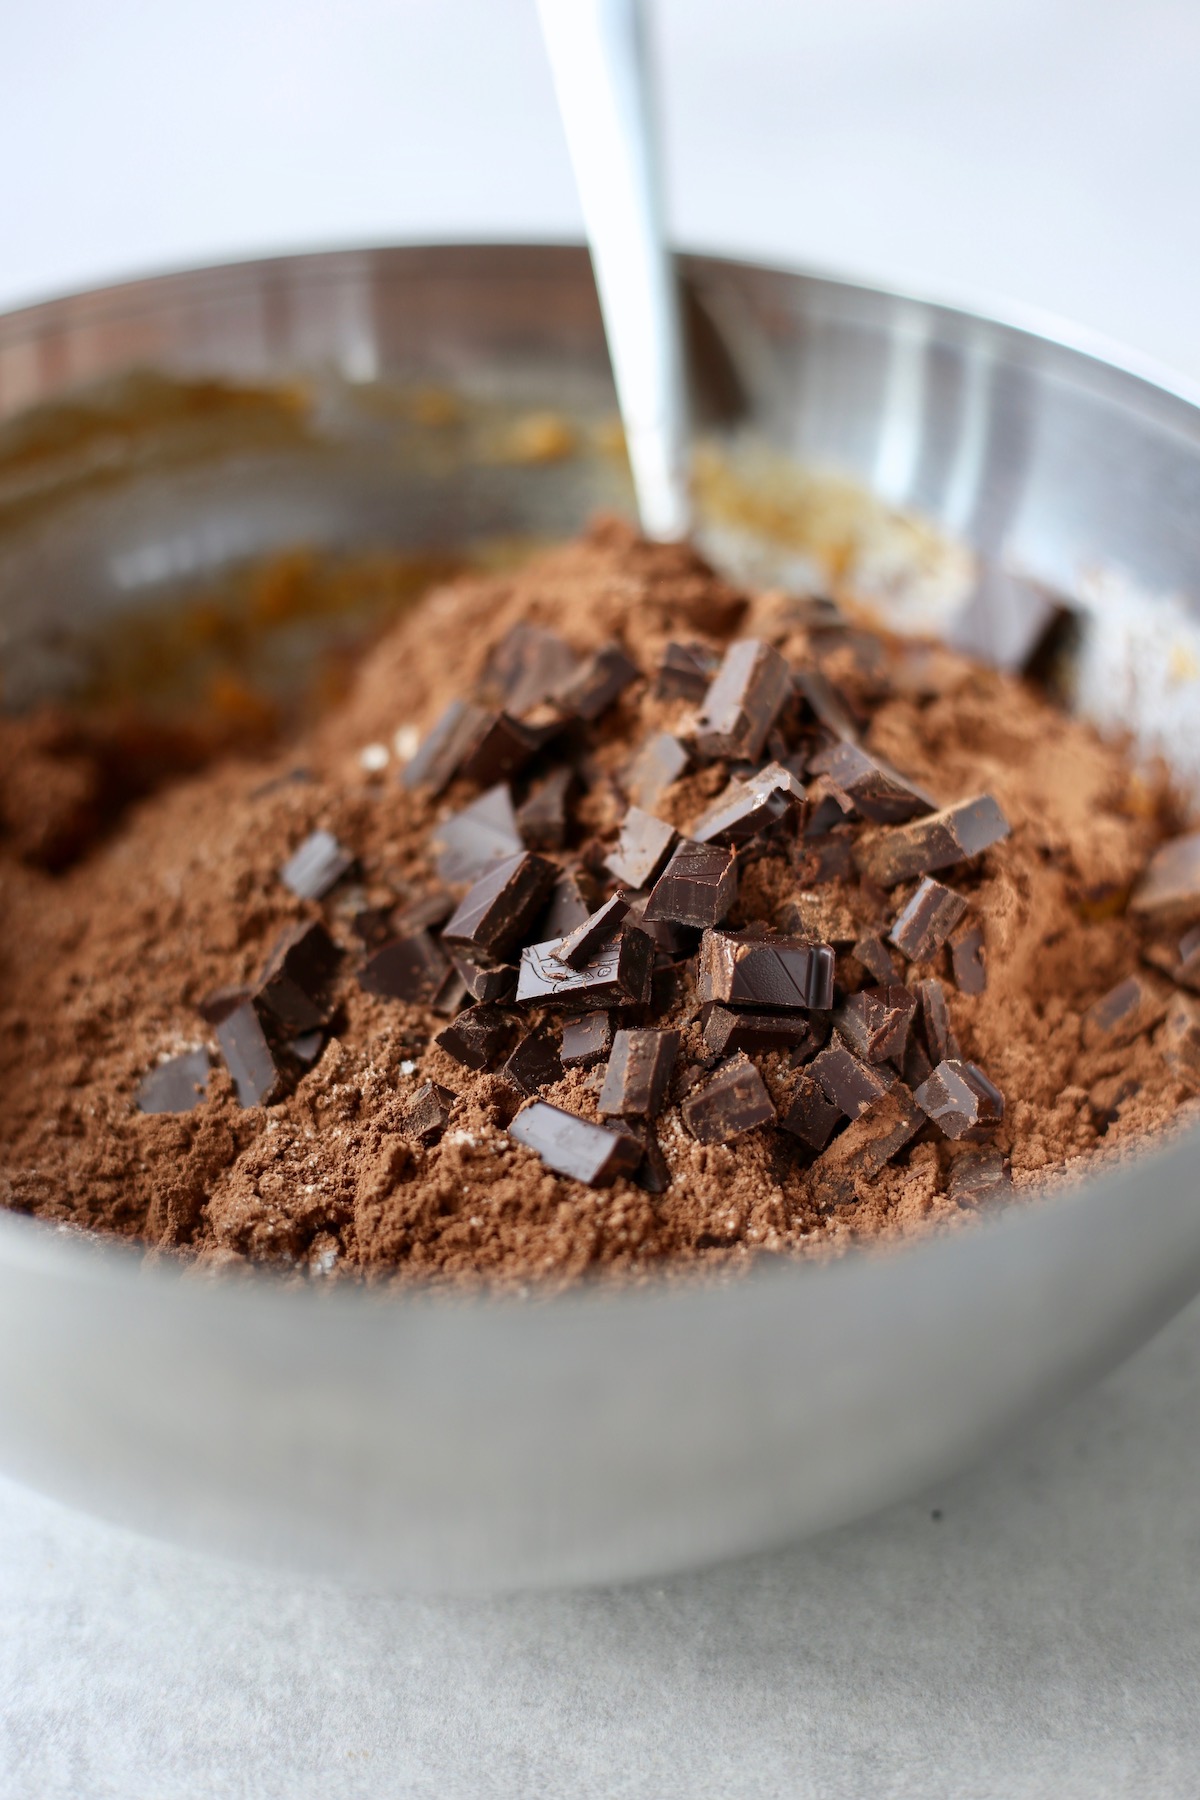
1044	1637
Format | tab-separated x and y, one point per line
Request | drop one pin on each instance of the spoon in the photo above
598	57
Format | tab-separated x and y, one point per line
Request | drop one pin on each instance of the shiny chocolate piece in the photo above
619	974
877	792
575	1147
661	760
586	1040
829	707
246	1044
809	1115
316	866
527	666
478	1037
747	807
409	968
639	1069
175	1086
940	841
876	959
764	972
733	1102
471	841
641	849
743	701
440	755
967	959
490	983
1127	1011
428	1112
542	818
452	993
756	1032
1170	887
493	917
1179	1041
935	1020
684	672
697	887
866	1146
580	947
923	925
876	1021
977	1176
850	1084
567	907
294	986
535	1063
960	1100
598	681
501	748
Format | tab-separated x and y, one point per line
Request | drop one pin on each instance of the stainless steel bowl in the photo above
443	1444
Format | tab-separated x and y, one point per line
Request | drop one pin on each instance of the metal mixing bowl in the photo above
434	1443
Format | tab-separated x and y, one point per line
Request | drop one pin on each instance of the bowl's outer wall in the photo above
440	1444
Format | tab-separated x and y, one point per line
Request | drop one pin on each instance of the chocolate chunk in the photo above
535	1063
618	975
428	1112
672	940
809	1115
684	672
653	1174
764	972
478	1037
250	1056
757	1032
294	986
503	746
851	1085
567	908
638	1072
596	683
542	819
697	887
867	1145
977	1176
829	707
935	1018
743	701
875	1022
734	1101
641	849
960	1099
819	916
493	917
917	1065
940	841
1127	1011
491	984
586	1040
440	755
574	1147
876	959
1170	887
827	810
174	1086
1180	959
924	924
423	911
748	807
527	666
1179	1041
451	995
306	1048
316	866
876	790
967	961
221	1002
471	841
579	947
409	968
661	760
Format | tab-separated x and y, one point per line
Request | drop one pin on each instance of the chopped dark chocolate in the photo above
306	1048
672	940
503	746
875	1022
410	968
967	959
619	974
830	708
638	1072
935	1020
497	910
250	1056
733	1102
527	666
756	1032
535	1063
491	983
850	1084
220	1003
174	1086
923	925
764	972
1180	960
743	701
641	849
316	866
828	808
747	807
579	947
421	913
960	1100
684	672
697	887
471	841
542	818
653	1174
977	1175
428	1112
939	841
567	907
809	1115
478	1037
586	1040
661	760
1179	1040
866	1146
1170	887
1127	1011
294	986
440	754
876	959
575	1147
876	790
452	993
602	676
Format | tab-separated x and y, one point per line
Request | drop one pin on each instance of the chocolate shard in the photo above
848	1083
598	681
1129	1010
829	707
428	1112
410	968
580	947
876	959
1170	886
940	841
1180	959
967	959
977	1176
960	1100
638	1072
917	1065
306	1048
294	986
726	1031
586	1040
421	913
502	747
684	672
733	1102
478	1037
566	908
661	760
748	807
574	1147
764	972
935	1019
619	974
490	983
542	818
175	1086
809	1115
866	1146
493	917
819	916
697	887
527	666
1179	1041
451	995
877	792
875	1022
441	753
828	809
221	1002
743	701
923	925
250	1056
535	1063
641	848
653	1173
316	866
471	841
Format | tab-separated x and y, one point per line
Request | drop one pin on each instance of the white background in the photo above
1043	1637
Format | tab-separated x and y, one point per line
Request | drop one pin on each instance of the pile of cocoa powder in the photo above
106	960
